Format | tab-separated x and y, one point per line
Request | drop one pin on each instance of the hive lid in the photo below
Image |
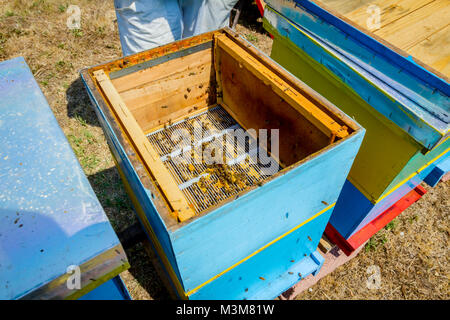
50	217
421	98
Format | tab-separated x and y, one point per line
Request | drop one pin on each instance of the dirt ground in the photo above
412	252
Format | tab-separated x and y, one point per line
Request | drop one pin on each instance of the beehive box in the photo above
233	229
403	106
51	222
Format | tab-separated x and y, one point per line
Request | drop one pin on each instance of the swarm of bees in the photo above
210	158
228	179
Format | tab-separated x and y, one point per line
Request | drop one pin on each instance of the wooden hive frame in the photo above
324	117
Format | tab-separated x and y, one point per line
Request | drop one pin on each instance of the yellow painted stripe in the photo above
412	175
261	249
162	254
303	223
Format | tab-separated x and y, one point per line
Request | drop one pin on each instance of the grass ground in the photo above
412	252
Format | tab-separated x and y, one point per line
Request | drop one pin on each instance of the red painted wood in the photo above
355	241
261	10
260	7
334	236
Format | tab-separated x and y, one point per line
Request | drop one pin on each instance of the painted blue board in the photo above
440	168
50	217
416	103
273	270
200	251
239	228
113	289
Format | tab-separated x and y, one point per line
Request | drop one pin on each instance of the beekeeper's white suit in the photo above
145	24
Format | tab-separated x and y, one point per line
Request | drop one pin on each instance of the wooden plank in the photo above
417	26
149	156
435	51
166	91
390	10
310	111
219	87
156	93
181	66
167	99
343	7
177	117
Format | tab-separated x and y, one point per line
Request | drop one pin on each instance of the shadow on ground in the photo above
111	193
79	104
250	17
142	279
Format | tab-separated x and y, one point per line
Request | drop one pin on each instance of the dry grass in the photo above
37	30
412	254
414	265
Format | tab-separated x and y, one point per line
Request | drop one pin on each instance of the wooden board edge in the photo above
181	209
309	110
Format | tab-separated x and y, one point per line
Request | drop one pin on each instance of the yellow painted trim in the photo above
413	175
166	263
260	249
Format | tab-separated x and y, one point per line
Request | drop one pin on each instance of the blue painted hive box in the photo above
52	227
235	218
404	107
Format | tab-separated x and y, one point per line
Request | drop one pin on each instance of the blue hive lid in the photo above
422	104
50	217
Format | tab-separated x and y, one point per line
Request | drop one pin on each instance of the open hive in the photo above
216	86
224	213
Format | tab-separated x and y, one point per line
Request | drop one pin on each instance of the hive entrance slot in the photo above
188	150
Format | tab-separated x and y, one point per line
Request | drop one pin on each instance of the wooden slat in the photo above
310	111
390	10
417	26
173	97
149	156
156	93
435	51
344	7
183	65
217	68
